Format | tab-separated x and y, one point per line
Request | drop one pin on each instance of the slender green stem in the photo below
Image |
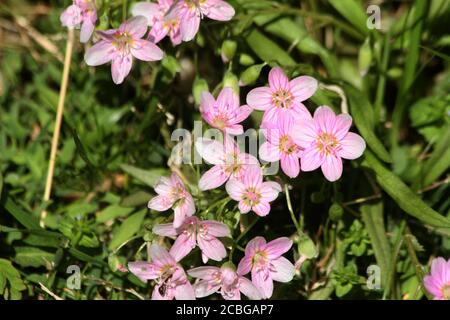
124	10
236	242
291	211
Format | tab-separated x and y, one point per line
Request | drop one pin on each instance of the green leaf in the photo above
372	215
353	12
267	50
24	218
149	177
439	162
406	199
112	212
32	257
127	229
136	199
362	113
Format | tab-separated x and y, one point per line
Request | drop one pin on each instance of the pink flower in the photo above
225	280
173	194
81	13
120	46
225	113
195	232
190	12
283	98
171	280
266	263
280	146
157	20
252	193
438	282
229	162
326	139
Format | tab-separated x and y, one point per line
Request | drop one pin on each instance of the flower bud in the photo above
230	80
228	50
251	74
364	58
306	247
335	212
198	87
246	60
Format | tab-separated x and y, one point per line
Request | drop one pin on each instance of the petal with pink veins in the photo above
245	265
143	270
269	191
159	255
100	53
269	152
216	229
160	203
260	98
277	247
342	125
146	51
303	87
263	282
136	26
352	146
189	26
332	168
184	292
220	10
211	150
212	248
262	209
213	178
249	289
165	230
311	159
284	270
235	189
87	28
304	133
147	9
325	119
290	164
121	67
182	246
278	79
244	207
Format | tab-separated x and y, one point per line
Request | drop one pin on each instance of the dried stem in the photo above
59	116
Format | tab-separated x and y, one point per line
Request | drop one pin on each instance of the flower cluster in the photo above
180	20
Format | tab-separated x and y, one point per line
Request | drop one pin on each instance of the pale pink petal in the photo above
71	17
212	248
257	243
213	178
283	270
433	286
299	112
332	168
352	146
260	98
165	230
159	255
235	189
304	133
146	51
269	191
163	186
120	68
262	209
143	270
269	152
147	9
220	10
204	273
156	295
157	32
184	292
290	164
245	265
253	177
244	207
184	209
278	79
277	247
249	289
182	246
160	203
210	150
242	113
205	288
136	26
303	87
325	119
216	229
235	129
227	100
342	125
263	282
439	269
87	28
100	53
311	159
189	26
207	102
